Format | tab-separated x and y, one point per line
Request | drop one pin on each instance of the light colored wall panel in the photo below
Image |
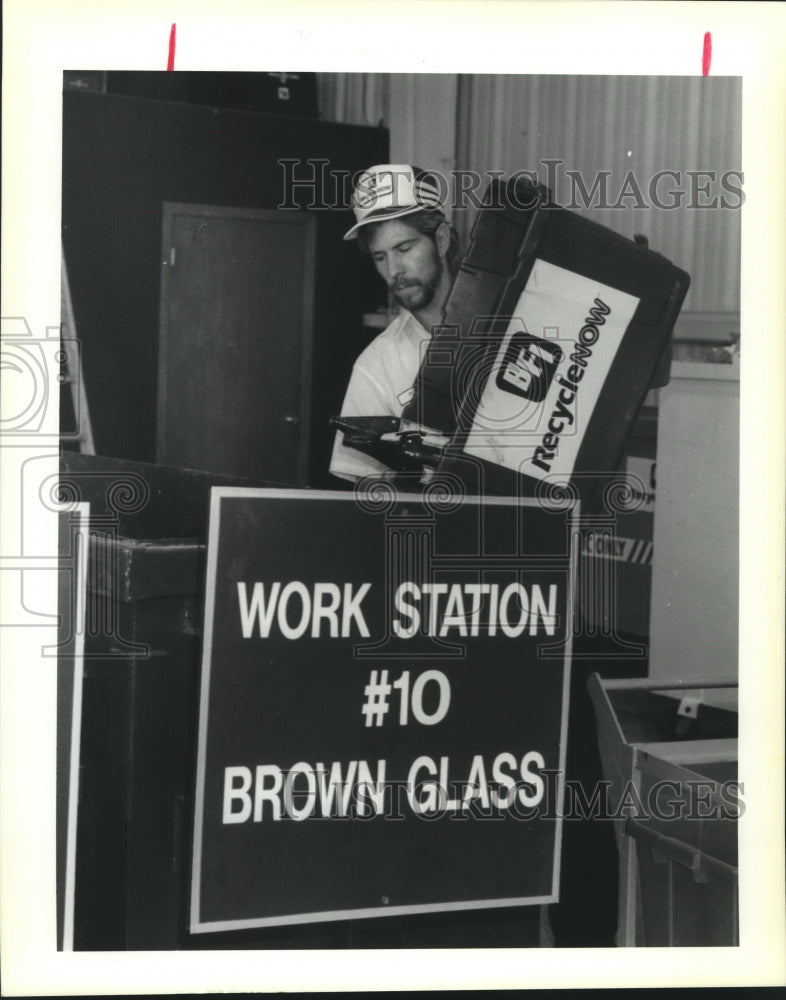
623	126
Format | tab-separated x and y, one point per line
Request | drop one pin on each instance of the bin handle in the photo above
675	850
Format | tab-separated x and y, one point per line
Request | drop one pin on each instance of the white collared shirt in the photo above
381	385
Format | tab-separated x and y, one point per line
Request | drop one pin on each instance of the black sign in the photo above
383	706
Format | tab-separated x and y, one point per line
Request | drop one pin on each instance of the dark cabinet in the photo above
237	311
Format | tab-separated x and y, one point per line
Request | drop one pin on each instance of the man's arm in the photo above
365	397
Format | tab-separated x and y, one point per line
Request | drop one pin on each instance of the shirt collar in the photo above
412	324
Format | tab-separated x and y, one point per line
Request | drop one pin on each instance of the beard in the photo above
418	293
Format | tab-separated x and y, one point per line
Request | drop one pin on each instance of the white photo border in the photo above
41	40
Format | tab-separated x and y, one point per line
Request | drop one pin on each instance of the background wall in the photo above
590	124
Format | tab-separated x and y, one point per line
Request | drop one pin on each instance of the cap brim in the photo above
383	216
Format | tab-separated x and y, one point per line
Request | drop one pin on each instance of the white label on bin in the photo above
549	372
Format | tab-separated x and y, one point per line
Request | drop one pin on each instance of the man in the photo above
399	221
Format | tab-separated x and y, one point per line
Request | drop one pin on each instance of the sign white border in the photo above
219	493
82	539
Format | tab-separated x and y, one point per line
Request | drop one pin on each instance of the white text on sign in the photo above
330	610
378	691
351	791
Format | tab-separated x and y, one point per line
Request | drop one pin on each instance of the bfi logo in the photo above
528	367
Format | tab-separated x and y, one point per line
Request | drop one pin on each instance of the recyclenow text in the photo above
314	185
351	791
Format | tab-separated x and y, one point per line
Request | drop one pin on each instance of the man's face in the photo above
408	261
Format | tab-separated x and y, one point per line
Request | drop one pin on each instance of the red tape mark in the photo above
706	58
170	65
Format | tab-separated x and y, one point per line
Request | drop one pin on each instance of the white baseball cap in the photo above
390	191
